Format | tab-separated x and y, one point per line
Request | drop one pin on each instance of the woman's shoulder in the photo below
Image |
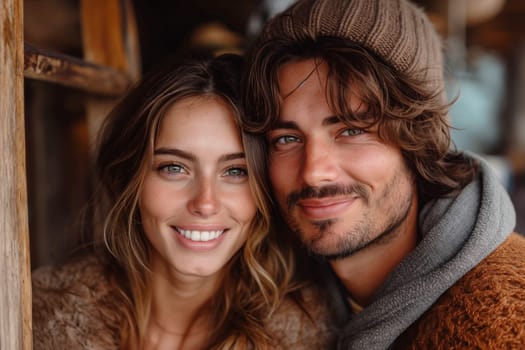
303	321
74	306
79	270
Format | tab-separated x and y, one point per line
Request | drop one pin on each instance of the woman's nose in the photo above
205	201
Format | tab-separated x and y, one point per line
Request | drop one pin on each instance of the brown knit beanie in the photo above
395	30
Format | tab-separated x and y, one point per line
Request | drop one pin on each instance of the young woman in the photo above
189	261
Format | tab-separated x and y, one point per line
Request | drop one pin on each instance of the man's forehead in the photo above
293	75
312	74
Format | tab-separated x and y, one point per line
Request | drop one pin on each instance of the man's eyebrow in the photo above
330	120
293	125
192	157
333	119
285	125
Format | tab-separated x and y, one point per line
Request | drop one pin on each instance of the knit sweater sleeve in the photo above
484	310
73	308
298	328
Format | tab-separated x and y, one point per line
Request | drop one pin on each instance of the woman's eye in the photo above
172	168
352	132
237	172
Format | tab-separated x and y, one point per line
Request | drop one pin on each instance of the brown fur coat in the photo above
76	307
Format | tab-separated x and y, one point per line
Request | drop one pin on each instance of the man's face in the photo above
339	188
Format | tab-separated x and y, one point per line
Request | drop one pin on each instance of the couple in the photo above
343	122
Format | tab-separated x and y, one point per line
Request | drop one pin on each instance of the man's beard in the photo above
364	234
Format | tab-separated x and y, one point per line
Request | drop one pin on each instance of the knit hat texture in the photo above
396	30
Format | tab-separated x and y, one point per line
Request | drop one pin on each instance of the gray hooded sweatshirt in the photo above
457	233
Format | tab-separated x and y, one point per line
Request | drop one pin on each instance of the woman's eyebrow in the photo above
191	157
232	156
175	152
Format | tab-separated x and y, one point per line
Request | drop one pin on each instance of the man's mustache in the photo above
309	192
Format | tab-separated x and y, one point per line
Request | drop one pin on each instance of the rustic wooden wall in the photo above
71	84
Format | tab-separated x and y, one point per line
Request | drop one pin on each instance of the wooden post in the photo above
15	270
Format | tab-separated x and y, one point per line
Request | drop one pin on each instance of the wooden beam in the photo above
15	269
70	71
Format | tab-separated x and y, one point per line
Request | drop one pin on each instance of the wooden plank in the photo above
15	275
70	71
109	37
131	41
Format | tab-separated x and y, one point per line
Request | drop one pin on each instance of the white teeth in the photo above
195	236
200	236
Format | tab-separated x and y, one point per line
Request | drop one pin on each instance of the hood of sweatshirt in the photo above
457	233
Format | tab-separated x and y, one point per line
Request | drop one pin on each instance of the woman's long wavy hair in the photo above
256	277
408	112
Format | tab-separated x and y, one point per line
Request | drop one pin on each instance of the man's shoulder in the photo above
503	269
483	309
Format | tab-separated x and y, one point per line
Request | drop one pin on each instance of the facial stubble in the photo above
364	233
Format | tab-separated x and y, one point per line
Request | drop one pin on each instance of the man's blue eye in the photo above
287	139
352	132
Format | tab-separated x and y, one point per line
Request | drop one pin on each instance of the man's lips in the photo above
320	209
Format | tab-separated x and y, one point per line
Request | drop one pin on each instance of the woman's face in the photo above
196	204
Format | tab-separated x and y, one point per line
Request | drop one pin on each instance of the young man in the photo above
349	95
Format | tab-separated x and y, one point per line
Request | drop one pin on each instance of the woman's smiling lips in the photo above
199	239
200	235
320	209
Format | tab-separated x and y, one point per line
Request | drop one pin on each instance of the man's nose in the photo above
320	165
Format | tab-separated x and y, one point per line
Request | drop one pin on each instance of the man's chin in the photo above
324	251
329	255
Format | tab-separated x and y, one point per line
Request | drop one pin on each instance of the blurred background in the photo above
485	45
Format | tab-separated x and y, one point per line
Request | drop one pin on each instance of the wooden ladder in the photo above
110	64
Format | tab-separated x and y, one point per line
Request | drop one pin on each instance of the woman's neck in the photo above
180	334
179	316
